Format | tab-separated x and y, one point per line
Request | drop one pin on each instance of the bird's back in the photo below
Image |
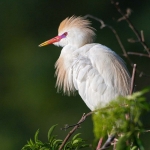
99	75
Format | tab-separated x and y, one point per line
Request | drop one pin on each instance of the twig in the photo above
132	27
115	143
141	73
84	116
138	54
128	13
81	120
131	40
108	142
99	144
132	79
142	36
116	35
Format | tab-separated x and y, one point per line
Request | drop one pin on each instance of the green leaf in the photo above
36	136
75	143
57	142
68	144
134	148
50	132
76	136
31	142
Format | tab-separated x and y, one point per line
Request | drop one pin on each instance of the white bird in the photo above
94	70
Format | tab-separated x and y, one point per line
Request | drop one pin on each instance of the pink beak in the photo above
53	40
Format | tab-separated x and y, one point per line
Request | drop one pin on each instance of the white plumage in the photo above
95	71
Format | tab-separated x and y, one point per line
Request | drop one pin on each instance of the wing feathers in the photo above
100	76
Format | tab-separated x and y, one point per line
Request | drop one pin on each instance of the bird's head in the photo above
75	31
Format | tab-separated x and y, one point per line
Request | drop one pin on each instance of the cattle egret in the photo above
94	70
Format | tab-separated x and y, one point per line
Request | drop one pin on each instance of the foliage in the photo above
125	128
75	143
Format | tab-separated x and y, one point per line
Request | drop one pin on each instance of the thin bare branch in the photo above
84	116
99	144
128	13
108	142
132	79
112	29
138	54
131	40
116	4
142	36
118	39
125	53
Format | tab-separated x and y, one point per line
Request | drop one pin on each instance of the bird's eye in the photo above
65	34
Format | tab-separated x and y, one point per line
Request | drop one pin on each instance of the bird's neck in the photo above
64	69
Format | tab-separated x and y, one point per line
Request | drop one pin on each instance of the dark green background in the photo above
28	97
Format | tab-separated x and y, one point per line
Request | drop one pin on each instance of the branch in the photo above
128	13
132	79
84	116
112	29
99	144
141	73
139	37
138	54
108	142
142	35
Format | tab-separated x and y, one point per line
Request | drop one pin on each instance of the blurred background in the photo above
28	97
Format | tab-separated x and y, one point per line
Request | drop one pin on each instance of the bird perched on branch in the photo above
94	70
